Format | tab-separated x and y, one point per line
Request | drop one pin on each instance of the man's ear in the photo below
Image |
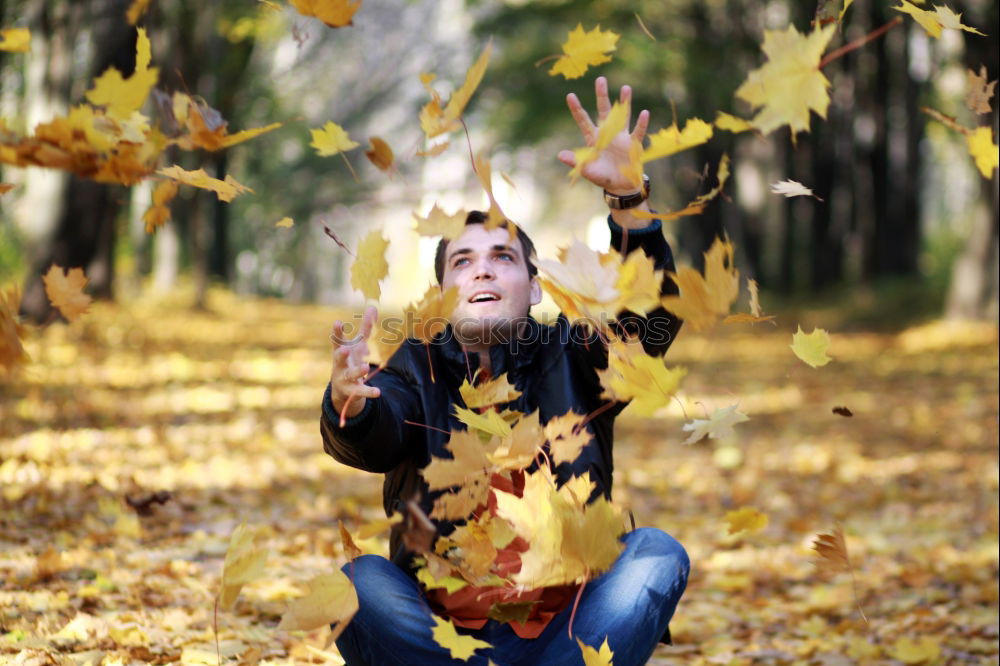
536	292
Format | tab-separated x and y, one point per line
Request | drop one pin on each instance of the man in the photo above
401	417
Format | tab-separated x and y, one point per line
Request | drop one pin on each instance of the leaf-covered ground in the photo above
204	420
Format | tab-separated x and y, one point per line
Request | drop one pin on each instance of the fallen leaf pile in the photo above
221	411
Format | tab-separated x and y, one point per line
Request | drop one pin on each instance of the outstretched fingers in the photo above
582	118
603	101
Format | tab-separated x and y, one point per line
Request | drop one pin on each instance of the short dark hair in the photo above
479	217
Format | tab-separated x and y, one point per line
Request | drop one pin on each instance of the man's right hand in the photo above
350	367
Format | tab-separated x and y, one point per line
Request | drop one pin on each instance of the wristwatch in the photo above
623	202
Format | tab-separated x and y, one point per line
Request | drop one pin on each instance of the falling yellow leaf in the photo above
832	551
592	657
158	214
731	123
566	436
434	119
12	352
440	223
979	92
582	50
285	223
331	599
519	449
493	392
983	150
65	291
351	549
923	651
468	460
489	422
934	21
703	300
370	266
334	13
671	140
15	40
124	96
792	188
745	519
717	426
226	190
135	10
460	647
245	560
756	314
331	139
790	84
635	376
811	348
380	154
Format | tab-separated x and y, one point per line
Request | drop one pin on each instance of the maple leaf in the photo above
380	153
792	188
245	560
934	21
811	348
334	13
979	91
703	300
746	519
495	391
518	450
207	129
832	551
436	572
566	436
790	84
458	504
717	426
636	377
331	139
435	120
285	223
65	291
15	40
489	422
226	190
730	123
468	461
592	657
331	600
983	150
122	96
440	223
370	266
583	49
12	352
671	140
158	214
460	647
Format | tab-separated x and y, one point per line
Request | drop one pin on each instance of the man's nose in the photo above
484	270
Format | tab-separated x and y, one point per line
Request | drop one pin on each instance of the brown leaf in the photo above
380	154
65	291
350	548
843	411
980	92
832	550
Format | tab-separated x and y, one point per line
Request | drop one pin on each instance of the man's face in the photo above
489	271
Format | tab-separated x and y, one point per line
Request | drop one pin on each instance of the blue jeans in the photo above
630	604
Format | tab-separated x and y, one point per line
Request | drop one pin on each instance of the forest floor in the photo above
220	409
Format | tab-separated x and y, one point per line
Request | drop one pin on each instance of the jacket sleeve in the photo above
658	328
374	439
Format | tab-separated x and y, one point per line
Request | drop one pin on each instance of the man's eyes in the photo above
505	256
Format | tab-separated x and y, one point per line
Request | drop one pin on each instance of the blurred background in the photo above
907	228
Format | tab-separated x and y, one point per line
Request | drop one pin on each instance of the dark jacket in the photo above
554	367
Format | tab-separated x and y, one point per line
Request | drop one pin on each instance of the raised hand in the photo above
350	367
609	168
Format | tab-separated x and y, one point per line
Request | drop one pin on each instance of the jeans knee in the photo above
653	542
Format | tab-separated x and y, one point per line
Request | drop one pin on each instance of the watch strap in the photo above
624	202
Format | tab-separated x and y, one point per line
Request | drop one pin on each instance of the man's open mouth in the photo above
483	297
